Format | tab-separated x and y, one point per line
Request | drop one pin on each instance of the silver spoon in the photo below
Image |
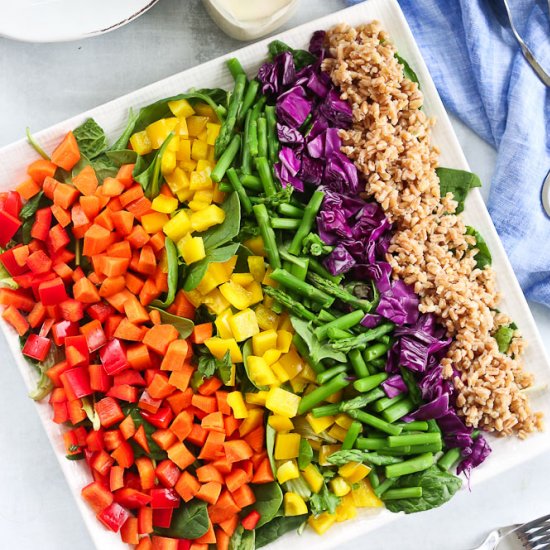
545	194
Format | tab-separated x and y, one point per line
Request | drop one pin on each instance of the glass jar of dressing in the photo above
250	19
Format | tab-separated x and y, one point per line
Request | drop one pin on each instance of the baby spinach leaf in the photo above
302	58
437	488
156	452
31	206
121	156
247	351
172	264
242	539
184	326
189	521
122	141
305	455
198	269
269	498
208	366
457	182
149	179
504	336
483	258
317	350
323	501
91	138
407	70
228	229
270	434
277	527
104	167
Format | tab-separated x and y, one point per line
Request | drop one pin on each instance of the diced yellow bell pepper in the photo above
287	446
354	471
267	319
194	296
174	144
211	154
320	424
218	270
285	323
197	206
184	195
177	180
229	266
271	356
256	291
313	477
292	363
215	275
298	384
339	486
181	108
177	227
155	222
280	423
204	109
242	279
363	495
337	432
204	166
219	346
264	341
218	196
315	445
222	324
267	280
254	419
260	372
206	218
184	151
284	339
204	195
191	249
308	373
215	301
343	420
236	295
325	452
168	162
294	504
196	124
282	402
188	165
141	143
212	132
257	398
238	406
256	245
164	204
346	509
207	284
279	371
181	129
335	397
256	265
202	137
158	131
244	325
287	470
200	180
322	523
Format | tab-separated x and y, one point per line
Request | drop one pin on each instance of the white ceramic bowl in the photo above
63	20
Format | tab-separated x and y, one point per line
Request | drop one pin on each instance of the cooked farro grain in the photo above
391	146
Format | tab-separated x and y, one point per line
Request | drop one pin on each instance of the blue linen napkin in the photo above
485	81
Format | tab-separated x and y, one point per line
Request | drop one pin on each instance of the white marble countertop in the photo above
44	83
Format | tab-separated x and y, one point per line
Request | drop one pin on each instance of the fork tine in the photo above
539	522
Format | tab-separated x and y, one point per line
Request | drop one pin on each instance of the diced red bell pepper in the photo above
57	239
167	473
99	379
100	311
37	347
63	329
148	403
76	383
10	263
19	298
78	342
162	517
112	439
164	498
95	337
13	203
71	310
8	227
130	376
42	224
124	455
184	544
250	521
131	498
60	412
52	292
161	419
94	440
113	357
46	327
38	262
97	496
123	392
109	412
113	517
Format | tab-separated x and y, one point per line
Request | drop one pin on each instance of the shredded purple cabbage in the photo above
394	386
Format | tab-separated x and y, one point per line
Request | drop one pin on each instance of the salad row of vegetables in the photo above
209	308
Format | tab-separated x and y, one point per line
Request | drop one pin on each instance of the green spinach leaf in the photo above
277	527
302	58
323	501
317	350
269	499
247	351
31	206
407	70
208	366
504	336
91	138
228	229
270	435
189	521
242	539
437	488
149	179
483	258
457	182
183	325
121	156
172	264
305	455
122	141
197	270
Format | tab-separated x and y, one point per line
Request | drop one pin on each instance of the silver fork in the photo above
534	535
